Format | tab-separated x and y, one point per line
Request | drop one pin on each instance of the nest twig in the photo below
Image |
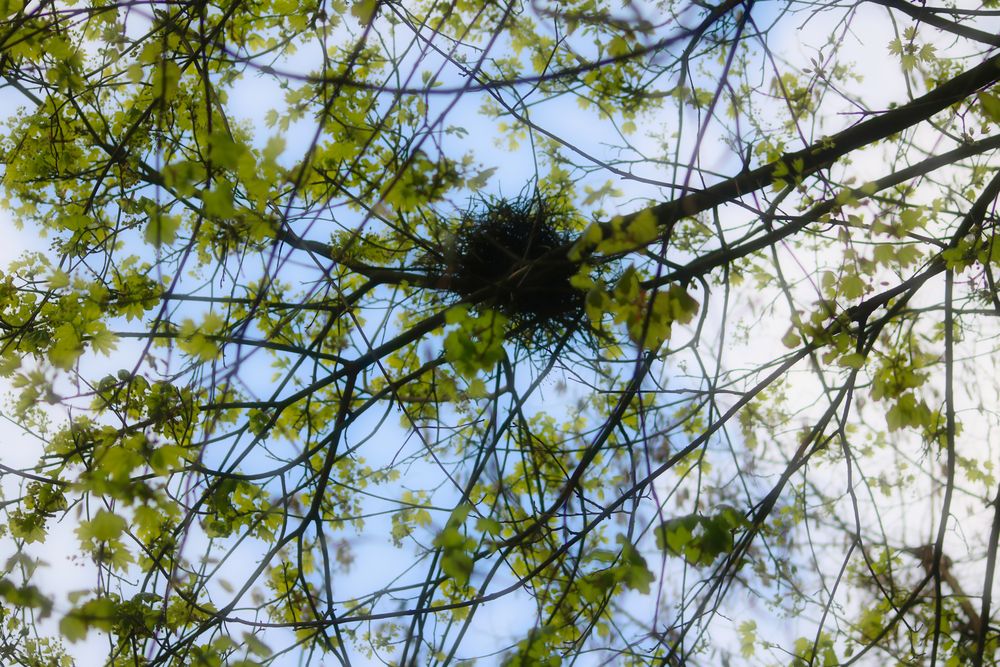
509	254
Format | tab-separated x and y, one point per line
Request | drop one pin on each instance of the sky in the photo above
882	82
67	573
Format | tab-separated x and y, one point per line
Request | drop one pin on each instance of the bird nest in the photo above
510	255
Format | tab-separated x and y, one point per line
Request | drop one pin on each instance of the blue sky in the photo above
254	96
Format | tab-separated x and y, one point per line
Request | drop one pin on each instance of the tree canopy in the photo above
440	332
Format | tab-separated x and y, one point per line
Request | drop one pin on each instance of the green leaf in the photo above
99	613
854	360
219	201
28	526
700	539
480	180
364	10
103	527
66	347
618	47
457	565
27	596
58	279
275	147
675	534
643	228
167	458
256	646
487	525
73	628
852	286
196	343
635	573
748	638
791	338
104	342
162	229
990	105
477	343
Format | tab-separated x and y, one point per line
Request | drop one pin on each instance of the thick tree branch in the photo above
927	15
825	152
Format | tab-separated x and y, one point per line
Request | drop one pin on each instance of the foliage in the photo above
300	384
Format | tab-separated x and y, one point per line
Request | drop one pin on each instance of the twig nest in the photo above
510	255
